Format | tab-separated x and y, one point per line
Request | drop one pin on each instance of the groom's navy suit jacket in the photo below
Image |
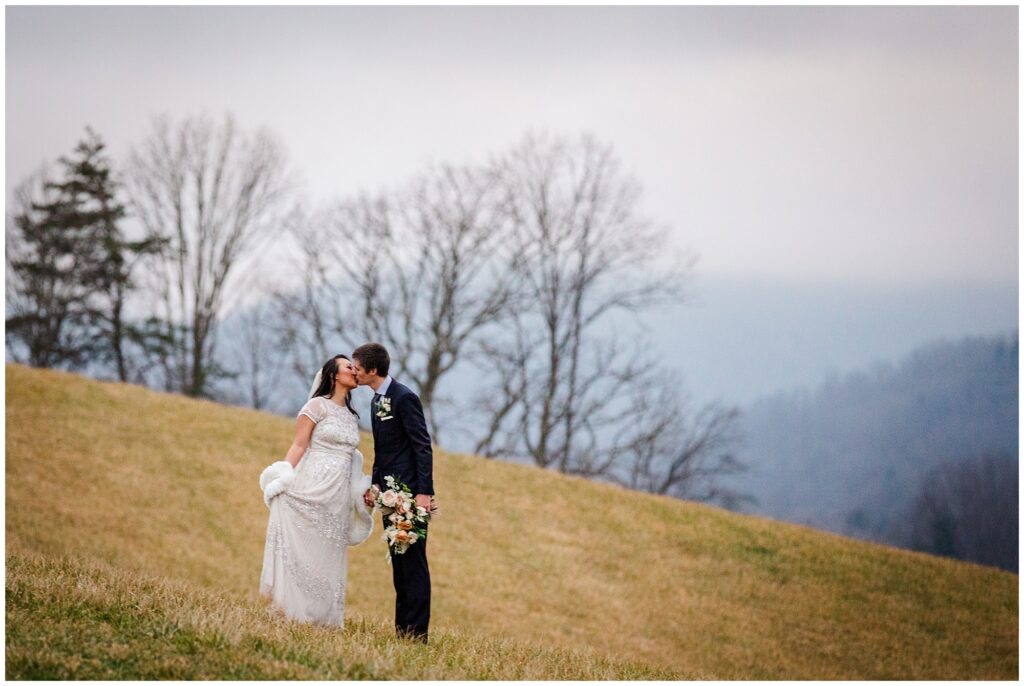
401	444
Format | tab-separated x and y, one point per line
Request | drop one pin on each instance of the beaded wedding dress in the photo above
312	523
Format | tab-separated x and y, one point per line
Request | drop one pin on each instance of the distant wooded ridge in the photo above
920	454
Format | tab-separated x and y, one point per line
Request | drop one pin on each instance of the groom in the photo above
401	446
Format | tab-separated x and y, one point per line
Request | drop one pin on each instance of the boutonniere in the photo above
384	408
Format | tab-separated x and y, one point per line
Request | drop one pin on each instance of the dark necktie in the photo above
376	400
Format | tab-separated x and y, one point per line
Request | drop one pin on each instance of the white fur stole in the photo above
276	479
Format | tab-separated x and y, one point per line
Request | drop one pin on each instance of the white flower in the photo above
389	499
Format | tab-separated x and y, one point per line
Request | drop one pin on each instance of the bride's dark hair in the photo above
326	387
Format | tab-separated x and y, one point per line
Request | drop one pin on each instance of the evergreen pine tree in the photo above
74	273
48	262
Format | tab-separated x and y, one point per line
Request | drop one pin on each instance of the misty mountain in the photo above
850	455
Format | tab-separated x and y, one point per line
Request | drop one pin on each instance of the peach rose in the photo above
402	537
405	526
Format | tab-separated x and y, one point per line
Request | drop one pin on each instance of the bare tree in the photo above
212	193
423	272
673	448
586	254
518	265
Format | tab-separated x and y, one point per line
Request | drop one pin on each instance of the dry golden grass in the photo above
165	487
75	619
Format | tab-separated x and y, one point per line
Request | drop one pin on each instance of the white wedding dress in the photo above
312	523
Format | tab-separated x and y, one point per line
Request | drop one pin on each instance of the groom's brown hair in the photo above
373	357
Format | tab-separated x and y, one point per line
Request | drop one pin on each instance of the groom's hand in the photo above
423	501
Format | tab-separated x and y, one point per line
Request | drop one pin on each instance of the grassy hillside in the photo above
75	619
135	531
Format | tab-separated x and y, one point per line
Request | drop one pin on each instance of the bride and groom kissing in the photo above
321	502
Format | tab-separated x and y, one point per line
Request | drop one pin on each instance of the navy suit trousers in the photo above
411	577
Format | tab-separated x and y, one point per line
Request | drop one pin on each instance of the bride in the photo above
315	496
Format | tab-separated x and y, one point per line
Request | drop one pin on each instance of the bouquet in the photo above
406	521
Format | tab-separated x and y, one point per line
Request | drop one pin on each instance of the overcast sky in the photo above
870	145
